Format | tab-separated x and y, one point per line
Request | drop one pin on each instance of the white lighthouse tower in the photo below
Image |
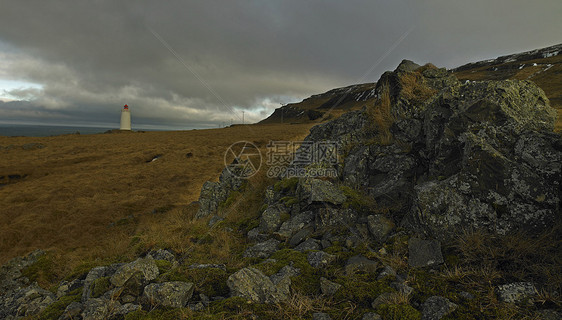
125	118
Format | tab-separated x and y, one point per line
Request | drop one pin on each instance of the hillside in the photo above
325	106
542	66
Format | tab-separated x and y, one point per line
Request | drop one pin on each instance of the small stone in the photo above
466	295
381	299
436	307
516	292
328	287
402	287
359	263
371	316
309	244
386	271
379	226
262	250
320	259
320	316
424	253
299	237
72	311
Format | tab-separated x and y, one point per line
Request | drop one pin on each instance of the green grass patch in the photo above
56	309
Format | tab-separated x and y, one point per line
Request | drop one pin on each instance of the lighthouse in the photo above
125	118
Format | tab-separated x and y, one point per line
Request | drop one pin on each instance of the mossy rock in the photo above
41	271
56	309
286	185
100	286
209	281
163	266
398	312
356	200
307	282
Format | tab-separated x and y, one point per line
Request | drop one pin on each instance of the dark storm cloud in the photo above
92	57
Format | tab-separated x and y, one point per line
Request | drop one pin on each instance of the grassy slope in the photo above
78	185
549	78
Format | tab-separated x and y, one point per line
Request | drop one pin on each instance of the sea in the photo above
34	130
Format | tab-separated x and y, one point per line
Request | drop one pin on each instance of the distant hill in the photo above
336	101
542	66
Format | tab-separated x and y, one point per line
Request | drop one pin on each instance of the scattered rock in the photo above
518	292
309	244
321	316
65	287
387	271
162	254
466	295
320	259
371	316
173	294
424	253
214	220
436	307
379	226
359	263
253	285
72	311
402	287
11	277
295	224
381	299
320	191
262	249
329	288
145	267
95	309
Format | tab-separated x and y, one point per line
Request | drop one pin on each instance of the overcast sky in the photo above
201	63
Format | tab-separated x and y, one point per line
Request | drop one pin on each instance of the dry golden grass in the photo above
381	117
413	87
93	198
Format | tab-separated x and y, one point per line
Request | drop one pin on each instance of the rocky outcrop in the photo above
215	193
477	155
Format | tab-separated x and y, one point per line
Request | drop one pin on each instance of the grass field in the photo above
85	197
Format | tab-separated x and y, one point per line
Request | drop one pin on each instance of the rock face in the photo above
477	155
215	193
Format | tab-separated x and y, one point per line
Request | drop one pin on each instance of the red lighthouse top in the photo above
126	107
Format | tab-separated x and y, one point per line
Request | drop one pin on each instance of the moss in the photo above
289	201
42	271
232	197
100	286
163	266
356	200
307	282
56	309
398	312
286	185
